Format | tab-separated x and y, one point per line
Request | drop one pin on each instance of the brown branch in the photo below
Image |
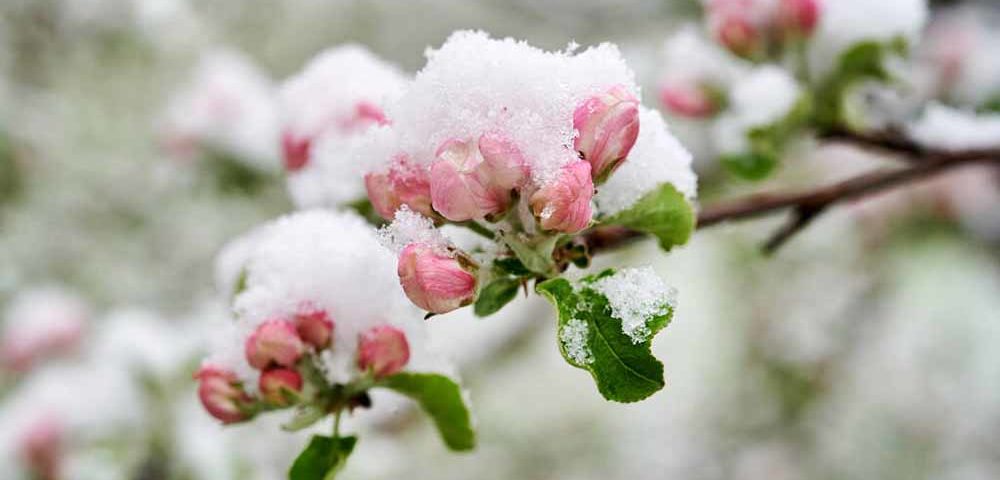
809	204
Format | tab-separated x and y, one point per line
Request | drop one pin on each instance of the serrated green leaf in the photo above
623	370
322	458
441	398
663	213
495	295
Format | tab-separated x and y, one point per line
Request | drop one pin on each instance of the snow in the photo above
845	23
763	98
657	158
573	336
636	295
690	56
411	227
953	129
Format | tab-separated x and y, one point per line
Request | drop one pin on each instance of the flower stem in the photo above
479	229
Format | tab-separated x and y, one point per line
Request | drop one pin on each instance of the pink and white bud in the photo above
314	326
296	151
564	205
383	350
460	187
798	18
607	126
433	281
222	395
733	25
405	183
41	449
274	342
503	163
277	384
688	99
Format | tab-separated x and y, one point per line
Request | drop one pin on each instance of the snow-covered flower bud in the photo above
461	188
607	127
686	98
383	350
433	281
222	395
798	18
405	183
503	162
564	205
277	383
274	342
314	326
296	151
41	449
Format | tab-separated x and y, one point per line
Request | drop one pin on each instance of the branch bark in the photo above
805	206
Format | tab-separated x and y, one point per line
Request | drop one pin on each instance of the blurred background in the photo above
869	347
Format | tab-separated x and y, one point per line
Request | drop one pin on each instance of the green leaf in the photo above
512	266
535	257
305	416
663	213
441	398
591	339
322	458
749	165
495	295
864	61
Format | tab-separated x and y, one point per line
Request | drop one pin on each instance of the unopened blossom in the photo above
461	189
41	449
383	350
607	126
405	183
504	164
222	395
565	204
798	18
434	281
314	326
296	151
274	342
277	383
688	99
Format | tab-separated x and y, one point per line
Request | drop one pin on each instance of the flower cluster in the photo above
751	28
514	142
317	322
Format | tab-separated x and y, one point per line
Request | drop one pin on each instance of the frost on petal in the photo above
573	336
657	158
636	295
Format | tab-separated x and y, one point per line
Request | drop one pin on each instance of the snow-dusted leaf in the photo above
322	458
664	213
442	399
592	338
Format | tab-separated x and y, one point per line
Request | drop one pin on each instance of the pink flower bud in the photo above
461	188
688	99
737	33
503	163
41	449
369	113
434	282
274	342
798	17
314	326
296	151
383	350
564	204
405	183
275	384
221	394
607	127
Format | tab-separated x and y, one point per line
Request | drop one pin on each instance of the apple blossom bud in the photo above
503	162
798	17
275	384
403	184
296	150
314	326
688	99
607	126
564	204
221	394
383	350
41	449
460	187
274	342
433	281
368	113
737	33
